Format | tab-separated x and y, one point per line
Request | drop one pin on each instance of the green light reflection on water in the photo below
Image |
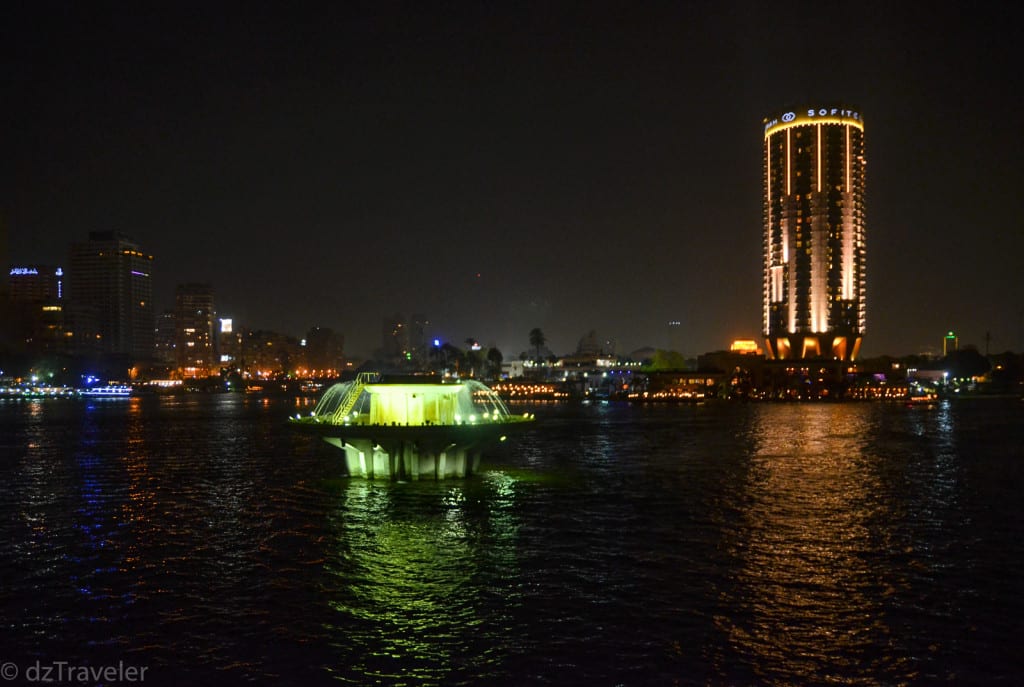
414	568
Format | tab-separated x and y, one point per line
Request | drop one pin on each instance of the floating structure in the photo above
410	428
40	391
109	391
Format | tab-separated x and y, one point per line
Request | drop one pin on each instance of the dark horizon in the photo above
497	170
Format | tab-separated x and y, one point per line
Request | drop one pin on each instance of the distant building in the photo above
35	317
164	340
268	354
324	352
950	343
745	346
394	338
814	254
7	336
3	258
405	342
194	333
36	284
229	343
418	332
110	287
589	346
675	336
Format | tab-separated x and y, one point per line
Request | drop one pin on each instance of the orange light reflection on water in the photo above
805	590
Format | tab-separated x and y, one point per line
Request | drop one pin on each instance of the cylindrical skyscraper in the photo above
814	255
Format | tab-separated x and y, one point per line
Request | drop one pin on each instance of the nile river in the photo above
722	544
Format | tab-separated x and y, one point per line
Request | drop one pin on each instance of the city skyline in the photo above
505	170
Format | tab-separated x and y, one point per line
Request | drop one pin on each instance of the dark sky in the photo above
504	166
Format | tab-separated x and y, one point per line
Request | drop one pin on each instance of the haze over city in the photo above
568	167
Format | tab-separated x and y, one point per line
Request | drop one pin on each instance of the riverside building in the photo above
814	255
111	288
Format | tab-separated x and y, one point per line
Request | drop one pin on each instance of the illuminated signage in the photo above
833	115
225	326
833	112
23	271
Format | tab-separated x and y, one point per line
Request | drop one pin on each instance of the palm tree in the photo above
537	340
494	360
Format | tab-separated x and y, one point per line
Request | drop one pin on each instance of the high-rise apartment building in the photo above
193	324
814	256
110	287
165	340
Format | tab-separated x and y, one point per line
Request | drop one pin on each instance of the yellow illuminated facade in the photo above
747	346
814	302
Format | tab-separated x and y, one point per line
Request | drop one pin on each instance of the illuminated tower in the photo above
814	256
950	343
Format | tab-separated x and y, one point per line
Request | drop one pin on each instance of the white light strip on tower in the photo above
818	127
848	153
789	162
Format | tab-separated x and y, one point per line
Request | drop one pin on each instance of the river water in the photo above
723	544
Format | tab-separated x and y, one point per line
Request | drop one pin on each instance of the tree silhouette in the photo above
494	361
537	340
967	362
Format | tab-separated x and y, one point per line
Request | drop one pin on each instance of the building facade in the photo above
35	312
814	301
194	343
110	285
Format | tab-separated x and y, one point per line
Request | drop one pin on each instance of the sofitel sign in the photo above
814	113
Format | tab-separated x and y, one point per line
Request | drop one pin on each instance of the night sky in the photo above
504	166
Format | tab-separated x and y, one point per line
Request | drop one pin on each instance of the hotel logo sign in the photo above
814	114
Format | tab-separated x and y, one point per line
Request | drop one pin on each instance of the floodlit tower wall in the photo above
814	303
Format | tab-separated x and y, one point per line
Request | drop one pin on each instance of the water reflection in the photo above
726	544
805	602
423	578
